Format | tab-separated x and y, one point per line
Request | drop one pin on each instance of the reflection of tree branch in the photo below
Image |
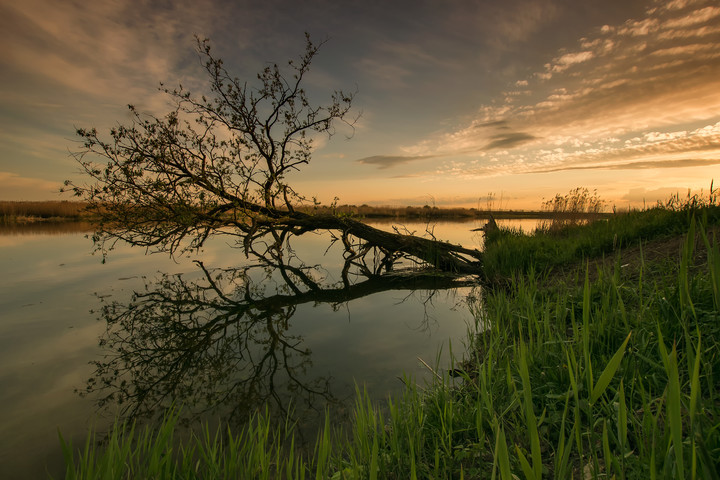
190	342
222	340
377	284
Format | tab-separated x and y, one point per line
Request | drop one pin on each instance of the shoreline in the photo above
49	212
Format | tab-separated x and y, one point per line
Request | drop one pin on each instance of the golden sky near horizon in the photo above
514	98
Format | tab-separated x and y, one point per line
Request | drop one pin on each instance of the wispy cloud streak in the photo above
387	161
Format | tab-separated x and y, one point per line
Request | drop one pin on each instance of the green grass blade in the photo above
609	372
683	281
674	412
663	350
502	458
606	448
586	331
69	456
374	459
562	454
713	261
530	419
525	465
695	382
622	419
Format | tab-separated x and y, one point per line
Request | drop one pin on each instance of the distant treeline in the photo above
21	212
428	212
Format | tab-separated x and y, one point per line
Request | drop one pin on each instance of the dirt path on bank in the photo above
647	258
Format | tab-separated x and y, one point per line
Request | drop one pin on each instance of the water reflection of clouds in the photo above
12	241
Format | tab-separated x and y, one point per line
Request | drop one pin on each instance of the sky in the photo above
484	103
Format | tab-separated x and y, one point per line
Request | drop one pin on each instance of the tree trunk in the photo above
442	255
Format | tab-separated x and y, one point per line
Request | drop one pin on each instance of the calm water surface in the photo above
147	331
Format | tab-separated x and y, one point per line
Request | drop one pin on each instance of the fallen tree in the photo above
218	164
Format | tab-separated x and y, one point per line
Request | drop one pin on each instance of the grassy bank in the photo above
558	244
596	354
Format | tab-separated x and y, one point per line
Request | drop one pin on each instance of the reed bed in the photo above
610	371
29	211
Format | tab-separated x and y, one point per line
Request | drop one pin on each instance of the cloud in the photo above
508	140
679	4
438	201
525	19
641	165
693	18
496	124
15	187
566	61
386	74
79	64
671	149
114	51
388	161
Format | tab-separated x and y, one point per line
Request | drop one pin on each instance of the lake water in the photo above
82	340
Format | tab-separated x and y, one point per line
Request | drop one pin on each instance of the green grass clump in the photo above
258	451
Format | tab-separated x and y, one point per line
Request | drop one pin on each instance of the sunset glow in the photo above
516	100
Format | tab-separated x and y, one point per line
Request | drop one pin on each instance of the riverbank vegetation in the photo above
564	242
427	212
56	211
595	354
47	211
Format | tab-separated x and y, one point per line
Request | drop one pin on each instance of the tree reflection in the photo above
221	340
